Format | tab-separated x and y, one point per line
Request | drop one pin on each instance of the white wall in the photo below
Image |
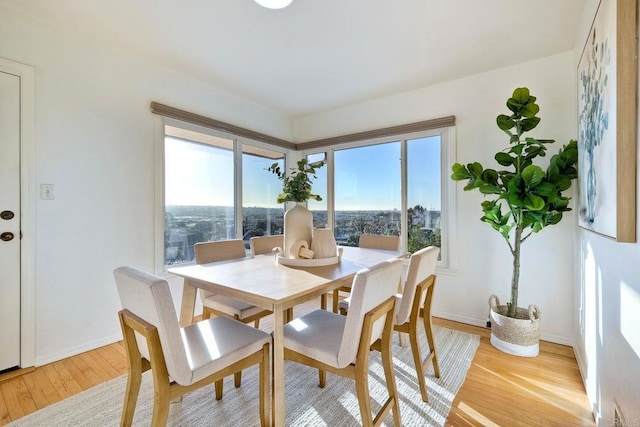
94	142
483	259
608	314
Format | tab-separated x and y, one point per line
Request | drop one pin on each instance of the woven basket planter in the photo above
519	336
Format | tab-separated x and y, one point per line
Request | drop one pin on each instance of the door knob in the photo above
6	236
6	215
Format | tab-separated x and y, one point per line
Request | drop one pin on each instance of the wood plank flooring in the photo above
499	390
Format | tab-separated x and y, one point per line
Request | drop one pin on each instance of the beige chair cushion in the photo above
218	342
422	264
231	306
334	339
191	353
265	244
379	241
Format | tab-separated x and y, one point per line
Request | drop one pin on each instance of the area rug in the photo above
306	403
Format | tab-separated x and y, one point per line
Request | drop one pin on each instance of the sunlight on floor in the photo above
475	415
539	396
568	394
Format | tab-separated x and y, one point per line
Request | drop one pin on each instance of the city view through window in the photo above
199	193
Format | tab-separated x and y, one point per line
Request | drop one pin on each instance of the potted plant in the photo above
297	187
523	199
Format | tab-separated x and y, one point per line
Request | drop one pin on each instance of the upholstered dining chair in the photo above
261	245
415	302
181	359
264	244
341	344
370	241
221	305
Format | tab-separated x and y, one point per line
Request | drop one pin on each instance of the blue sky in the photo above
367	178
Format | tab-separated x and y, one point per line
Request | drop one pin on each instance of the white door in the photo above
9	221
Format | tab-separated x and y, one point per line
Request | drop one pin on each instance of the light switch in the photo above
46	191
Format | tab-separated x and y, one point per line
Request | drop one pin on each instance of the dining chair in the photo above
264	244
221	305
414	302
181	359
341	344
370	241
261	245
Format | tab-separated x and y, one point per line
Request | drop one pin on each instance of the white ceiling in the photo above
317	55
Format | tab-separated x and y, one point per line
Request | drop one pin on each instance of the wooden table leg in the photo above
278	410
188	303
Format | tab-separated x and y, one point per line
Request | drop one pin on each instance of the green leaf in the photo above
517	149
514	200
521	95
533	202
545	189
475	168
505	122
514	105
504	159
529	123
529	110
459	172
532	175
562	183
490	176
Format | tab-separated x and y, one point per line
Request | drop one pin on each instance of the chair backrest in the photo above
220	250
422	264
377	241
148	297
370	288
265	244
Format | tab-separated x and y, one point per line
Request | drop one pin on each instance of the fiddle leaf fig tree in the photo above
523	198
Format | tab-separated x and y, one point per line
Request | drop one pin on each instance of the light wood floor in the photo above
499	390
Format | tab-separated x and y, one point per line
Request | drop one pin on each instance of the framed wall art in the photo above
607	122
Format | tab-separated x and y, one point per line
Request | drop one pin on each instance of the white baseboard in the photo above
72	351
558	339
462	319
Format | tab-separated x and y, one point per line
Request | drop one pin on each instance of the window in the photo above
203	198
199	192
319	209
261	214
392	186
367	196
424	193
214	185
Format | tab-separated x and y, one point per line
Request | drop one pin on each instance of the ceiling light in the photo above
274	4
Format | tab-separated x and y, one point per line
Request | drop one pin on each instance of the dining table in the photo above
262	281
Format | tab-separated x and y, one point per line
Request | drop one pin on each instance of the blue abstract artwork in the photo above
597	124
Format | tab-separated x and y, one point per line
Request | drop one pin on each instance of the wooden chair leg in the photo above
256	323
335	300
161	402
428	328
237	379
134	380
323	301
322	378
219	387
362	392
390	379
417	361
289	315
264	387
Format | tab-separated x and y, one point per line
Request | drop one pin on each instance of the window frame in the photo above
159	177
447	261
